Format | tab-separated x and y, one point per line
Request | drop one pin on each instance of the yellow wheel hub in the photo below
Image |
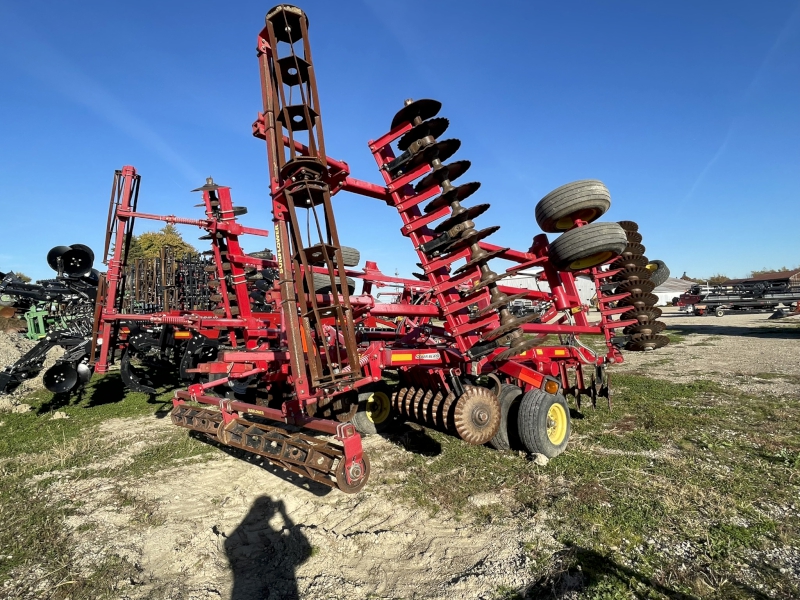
556	424
565	223
378	407
590	261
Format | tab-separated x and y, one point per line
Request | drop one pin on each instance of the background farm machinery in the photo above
267	345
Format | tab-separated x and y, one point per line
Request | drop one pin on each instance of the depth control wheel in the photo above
544	423
358	474
374	411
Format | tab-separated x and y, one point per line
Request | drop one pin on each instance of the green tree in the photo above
149	244
717	279
23	277
764	271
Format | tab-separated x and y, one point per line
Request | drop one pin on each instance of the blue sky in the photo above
688	111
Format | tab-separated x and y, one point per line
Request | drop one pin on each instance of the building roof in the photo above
673	286
772	276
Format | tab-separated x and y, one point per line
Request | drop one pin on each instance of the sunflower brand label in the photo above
429	356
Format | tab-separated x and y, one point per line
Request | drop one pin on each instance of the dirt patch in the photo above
234	529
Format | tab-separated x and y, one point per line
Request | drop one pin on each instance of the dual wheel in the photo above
536	421
589	245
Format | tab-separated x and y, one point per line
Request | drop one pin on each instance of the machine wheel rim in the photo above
378	407
591	261
556	424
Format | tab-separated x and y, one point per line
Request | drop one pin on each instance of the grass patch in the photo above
669	495
36	545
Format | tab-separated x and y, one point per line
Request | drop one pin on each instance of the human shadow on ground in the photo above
309	485
578	569
264	556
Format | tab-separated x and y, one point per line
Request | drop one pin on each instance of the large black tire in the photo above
507	436
659	272
322	284
587	200
544	423
375	414
350	256
587	246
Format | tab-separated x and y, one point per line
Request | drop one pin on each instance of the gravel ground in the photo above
12	346
746	351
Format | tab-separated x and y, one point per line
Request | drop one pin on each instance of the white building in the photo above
671	289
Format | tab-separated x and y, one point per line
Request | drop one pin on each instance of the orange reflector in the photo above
124	330
551	387
182	335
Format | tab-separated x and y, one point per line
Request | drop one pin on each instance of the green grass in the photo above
35	543
693	466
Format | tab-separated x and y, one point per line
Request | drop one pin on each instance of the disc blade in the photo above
643	343
651	328
479	260
467	215
634	273
460	193
473	237
449	172
60	378
643	286
433	127
423	108
54	254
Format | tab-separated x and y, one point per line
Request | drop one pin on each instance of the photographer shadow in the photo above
263	557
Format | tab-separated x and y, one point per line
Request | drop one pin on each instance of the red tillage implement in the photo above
465	362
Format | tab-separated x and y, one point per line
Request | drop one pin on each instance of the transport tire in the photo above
587	200
375	413
719	312
507	436
350	256
659	272
544	423
587	246
322	284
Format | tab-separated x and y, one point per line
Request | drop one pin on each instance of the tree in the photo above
23	277
717	279
149	244
764	271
